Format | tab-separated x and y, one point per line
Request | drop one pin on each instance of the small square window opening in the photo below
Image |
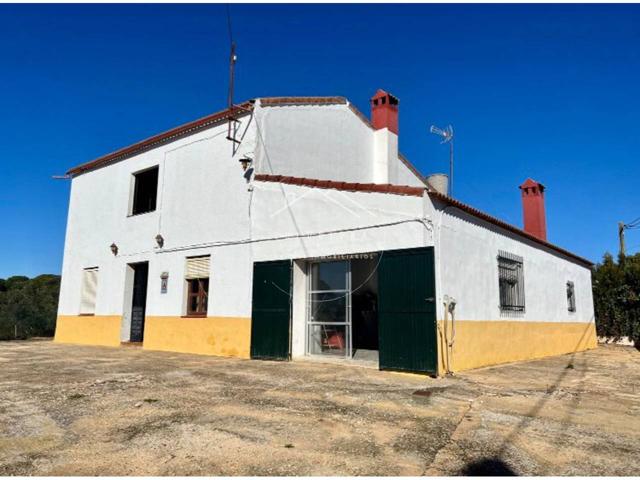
145	191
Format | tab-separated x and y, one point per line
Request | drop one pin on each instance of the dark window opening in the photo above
197	296
145	191
571	297
511	282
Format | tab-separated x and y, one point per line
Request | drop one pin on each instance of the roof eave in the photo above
499	223
208	121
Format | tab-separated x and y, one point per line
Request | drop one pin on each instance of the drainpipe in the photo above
452	311
445	340
449	310
439	260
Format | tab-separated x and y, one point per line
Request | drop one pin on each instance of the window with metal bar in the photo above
571	297
511	282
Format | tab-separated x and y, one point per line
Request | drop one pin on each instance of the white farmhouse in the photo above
289	228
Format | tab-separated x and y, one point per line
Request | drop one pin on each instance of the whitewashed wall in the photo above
203	197
205	205
281	210
406	177
466	251
326	142
309	215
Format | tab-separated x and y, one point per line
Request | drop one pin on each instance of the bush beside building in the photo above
28	307
616	295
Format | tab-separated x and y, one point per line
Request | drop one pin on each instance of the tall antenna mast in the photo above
231	128
232	65
447	137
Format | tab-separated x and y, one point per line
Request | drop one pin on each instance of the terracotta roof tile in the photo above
274	101
354	187
204	122
160	138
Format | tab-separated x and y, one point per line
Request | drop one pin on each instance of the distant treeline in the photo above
28	307
616	297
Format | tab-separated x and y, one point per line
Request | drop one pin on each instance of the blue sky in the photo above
542	91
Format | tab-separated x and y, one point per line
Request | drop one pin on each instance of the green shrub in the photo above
28	307
616	297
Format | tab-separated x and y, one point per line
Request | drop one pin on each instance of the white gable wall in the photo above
404	176
326	142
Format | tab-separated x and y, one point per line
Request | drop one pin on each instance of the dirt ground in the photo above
71	410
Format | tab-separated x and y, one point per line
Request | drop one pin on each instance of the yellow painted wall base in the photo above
222	336
483	343
88	329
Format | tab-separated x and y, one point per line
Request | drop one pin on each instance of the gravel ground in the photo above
74	410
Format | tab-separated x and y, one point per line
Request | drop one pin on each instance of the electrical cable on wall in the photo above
423	221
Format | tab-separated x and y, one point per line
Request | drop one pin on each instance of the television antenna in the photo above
446	135
233	58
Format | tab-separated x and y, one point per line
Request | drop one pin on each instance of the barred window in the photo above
511	282
571	297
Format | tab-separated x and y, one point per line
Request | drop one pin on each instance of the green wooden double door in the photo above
406	310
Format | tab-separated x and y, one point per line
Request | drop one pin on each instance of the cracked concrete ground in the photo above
74	410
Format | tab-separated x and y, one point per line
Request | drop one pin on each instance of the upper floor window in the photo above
197	277
571	297
145	191
511	282
89	291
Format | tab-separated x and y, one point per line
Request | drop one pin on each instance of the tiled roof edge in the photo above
346	186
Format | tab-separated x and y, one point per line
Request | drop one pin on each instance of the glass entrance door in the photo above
329	309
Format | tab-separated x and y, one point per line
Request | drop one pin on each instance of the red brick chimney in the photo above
533	208
384	117
384	111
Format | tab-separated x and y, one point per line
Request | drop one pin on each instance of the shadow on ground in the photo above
488	467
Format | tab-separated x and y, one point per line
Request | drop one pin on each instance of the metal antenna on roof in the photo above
447	137
231	129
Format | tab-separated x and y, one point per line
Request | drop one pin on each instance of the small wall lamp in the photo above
245	162
114	249
160	240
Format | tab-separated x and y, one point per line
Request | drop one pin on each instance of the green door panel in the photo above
407	310
271	310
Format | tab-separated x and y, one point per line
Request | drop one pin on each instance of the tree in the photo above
616	297
28	307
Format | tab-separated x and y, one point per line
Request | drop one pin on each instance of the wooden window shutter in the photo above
198	267
89	290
